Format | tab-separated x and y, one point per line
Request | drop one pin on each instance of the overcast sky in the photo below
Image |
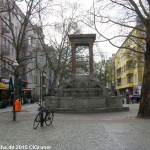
106	48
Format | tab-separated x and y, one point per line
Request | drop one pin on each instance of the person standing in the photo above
115	92
127	96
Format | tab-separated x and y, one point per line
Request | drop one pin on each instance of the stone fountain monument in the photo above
83	93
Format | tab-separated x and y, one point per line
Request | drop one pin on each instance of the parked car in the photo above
135	98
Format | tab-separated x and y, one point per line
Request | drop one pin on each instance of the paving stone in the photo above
96	131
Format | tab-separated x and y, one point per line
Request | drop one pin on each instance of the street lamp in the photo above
15	65
41	93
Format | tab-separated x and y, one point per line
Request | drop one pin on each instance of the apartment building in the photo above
29	73
129	64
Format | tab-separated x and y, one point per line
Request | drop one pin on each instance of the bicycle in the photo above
45	115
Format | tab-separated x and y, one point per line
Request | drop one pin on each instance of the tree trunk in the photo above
52	90
144	109
61	79
16	77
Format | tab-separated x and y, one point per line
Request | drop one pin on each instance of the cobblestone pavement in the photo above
98	131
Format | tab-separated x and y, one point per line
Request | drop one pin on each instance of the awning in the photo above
3	86
27	89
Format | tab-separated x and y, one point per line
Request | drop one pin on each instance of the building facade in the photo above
129	64
29	73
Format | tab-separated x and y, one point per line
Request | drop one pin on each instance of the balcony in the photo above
118	74
118	87
122	86
130	84
129	71
118	66
118	84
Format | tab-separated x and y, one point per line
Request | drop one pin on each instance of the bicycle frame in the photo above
45	115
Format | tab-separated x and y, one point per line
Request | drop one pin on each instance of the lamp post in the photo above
41	61
41	94
15	65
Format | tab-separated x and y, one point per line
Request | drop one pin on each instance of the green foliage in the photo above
104	70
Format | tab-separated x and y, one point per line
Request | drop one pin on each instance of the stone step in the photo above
93	110
84	97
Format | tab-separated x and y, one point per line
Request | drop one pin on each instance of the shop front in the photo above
3	95
27	95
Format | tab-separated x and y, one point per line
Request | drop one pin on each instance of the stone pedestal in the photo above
84	93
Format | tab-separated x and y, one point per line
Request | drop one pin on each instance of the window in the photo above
135	78
36	79
19	17
130	79
4	71
29	40
5	4
6	45
12	26
33	79
144	34
122	81
16	32
5	25
13	50
13	12
30	74
10	46
4	41
125	80
144	46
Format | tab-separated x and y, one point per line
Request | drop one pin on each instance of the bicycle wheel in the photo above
49	118
37	121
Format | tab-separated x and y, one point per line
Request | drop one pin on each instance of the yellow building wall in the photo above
127	76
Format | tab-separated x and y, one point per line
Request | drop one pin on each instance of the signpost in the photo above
41	62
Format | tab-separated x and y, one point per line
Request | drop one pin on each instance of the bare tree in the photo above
17	34
58	51
124	16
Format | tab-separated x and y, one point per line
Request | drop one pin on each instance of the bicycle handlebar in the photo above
43	108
